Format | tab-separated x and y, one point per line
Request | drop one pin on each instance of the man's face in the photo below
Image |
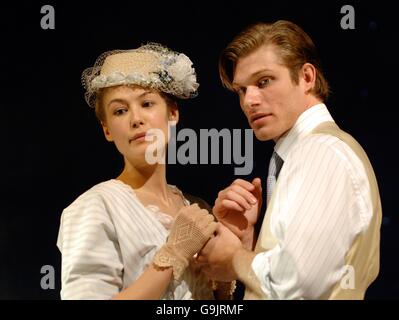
269	98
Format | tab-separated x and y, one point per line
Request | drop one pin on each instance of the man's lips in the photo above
254	118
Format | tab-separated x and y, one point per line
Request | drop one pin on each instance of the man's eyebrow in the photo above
253	75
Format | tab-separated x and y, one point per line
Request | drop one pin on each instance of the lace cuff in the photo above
165	257
225	289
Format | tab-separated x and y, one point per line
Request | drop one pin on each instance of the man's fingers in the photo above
232	205
241	192
240	195
247	195
243	183
239	199
257	183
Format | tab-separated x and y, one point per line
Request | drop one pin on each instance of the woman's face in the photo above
130	112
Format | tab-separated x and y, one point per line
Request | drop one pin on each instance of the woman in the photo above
133	237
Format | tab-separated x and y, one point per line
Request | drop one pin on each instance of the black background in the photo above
53	149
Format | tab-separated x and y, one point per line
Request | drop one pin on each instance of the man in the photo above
321	232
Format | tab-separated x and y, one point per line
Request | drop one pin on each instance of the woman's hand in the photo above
192	228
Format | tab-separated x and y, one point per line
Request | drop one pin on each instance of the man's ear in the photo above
174	113
308	77
106	131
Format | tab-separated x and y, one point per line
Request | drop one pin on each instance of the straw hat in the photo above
151	65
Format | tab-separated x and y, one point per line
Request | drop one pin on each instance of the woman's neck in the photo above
149	179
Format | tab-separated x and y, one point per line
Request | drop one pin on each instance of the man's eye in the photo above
240	91
263	83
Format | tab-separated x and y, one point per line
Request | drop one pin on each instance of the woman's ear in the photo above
106	131
174	113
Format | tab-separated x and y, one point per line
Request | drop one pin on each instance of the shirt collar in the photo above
305	123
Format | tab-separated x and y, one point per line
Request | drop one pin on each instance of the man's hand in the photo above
238	206
216	258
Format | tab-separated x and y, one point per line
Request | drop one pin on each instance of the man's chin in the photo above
264	136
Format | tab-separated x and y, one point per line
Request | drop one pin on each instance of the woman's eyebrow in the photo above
145	93
116	100
141	95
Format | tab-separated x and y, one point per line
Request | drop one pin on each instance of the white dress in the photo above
108	238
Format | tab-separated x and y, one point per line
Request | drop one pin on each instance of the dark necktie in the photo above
274	169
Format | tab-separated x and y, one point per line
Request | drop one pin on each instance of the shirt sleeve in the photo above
315	218
91	260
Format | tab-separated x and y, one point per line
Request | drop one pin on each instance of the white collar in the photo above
305	123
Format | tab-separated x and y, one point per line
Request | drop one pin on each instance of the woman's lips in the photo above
140	137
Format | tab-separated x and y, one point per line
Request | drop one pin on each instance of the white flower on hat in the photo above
191	84
181	70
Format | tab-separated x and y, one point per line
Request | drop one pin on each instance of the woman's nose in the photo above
136	119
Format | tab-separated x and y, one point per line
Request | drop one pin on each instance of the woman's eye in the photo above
263	83
119	112
147	104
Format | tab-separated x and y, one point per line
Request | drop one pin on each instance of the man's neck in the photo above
310	102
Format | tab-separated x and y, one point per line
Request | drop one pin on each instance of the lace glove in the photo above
190	231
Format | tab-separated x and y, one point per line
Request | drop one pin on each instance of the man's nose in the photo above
251	97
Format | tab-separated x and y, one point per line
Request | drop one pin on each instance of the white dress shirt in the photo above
322	201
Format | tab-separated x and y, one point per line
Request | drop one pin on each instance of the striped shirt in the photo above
108	238
322	201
